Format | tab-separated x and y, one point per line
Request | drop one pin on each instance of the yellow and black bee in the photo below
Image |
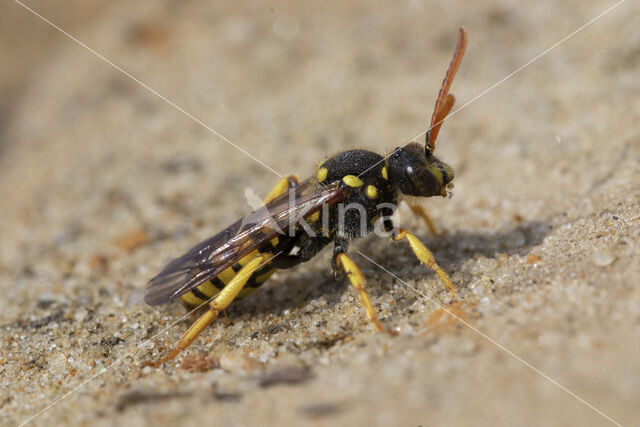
349	194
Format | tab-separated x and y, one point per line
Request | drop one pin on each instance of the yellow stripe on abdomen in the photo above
211	288
191	299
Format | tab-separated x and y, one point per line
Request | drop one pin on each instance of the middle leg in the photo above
357	280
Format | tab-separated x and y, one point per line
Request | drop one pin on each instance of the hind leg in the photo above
218	304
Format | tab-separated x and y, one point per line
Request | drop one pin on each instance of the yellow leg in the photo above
357	280
422	213
426	257
281	187
218	304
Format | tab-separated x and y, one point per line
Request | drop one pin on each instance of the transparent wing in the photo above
212	256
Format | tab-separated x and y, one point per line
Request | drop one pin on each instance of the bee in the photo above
299	219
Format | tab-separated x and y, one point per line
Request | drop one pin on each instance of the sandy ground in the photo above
103	182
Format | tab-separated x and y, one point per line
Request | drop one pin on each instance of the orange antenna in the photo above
444	103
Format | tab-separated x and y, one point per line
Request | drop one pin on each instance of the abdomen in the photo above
211	288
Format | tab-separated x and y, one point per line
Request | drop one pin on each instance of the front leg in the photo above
422	213
425	256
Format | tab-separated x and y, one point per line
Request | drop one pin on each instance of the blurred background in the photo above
103	181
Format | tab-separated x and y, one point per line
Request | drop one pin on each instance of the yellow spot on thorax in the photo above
372	192
384	173
352	181
322	174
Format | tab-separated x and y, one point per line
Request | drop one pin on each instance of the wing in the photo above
212	256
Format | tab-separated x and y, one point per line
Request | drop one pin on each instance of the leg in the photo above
422	213
357	281
425	256
281	187
218	304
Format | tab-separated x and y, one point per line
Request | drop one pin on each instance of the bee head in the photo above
413	168
416	172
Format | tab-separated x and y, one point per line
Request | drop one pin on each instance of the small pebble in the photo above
602	257
234	362
80	315
58	364
532	258
45	299
129	242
